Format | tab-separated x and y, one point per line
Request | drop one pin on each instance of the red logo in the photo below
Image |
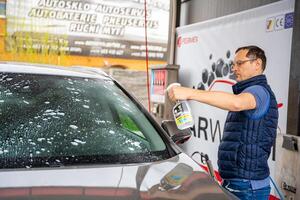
186	40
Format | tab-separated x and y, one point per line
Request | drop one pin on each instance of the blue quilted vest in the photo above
246	143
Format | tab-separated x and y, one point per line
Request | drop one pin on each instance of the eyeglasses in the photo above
241	62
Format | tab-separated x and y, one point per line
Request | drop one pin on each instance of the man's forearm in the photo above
223	100
218	99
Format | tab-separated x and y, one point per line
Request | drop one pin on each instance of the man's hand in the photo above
179	93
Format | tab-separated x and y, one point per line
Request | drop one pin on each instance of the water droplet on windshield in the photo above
86	106
79	141
70	82
73	127
60	113
74	143
136	144
40	139
100	121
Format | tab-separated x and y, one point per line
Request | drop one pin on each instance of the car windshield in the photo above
54	120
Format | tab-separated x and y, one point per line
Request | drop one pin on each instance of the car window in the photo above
48	120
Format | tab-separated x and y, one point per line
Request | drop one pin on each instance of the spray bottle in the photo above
182	112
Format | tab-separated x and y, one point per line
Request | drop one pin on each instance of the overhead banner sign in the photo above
206	50
94	27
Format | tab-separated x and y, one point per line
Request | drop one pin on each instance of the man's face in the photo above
244	67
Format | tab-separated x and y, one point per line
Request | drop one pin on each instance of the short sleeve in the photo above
262	98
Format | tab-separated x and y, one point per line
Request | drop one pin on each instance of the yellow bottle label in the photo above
186	118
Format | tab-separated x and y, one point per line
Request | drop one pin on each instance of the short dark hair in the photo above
255	52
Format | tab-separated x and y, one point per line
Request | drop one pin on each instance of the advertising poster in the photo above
205	51
111	28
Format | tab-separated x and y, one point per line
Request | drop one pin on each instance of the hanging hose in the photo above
147	61
205	160
277	190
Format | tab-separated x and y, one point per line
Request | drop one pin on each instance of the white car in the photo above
71	133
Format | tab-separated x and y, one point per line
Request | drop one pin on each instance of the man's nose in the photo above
233	67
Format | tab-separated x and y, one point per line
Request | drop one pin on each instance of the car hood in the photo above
176	178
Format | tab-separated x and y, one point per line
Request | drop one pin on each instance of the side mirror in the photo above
178	136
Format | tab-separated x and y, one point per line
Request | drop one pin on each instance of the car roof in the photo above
32	68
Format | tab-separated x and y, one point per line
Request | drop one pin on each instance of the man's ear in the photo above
258	64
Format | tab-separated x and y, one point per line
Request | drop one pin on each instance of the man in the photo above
250	127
